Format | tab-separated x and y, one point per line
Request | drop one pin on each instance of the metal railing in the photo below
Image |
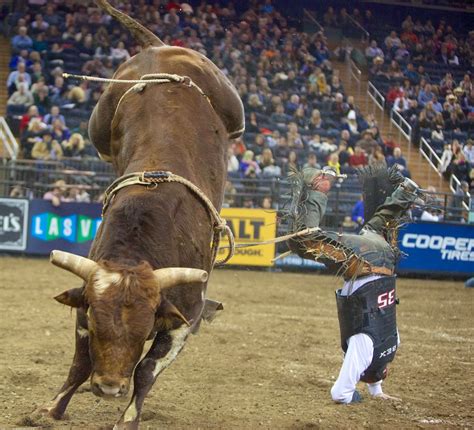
401	124
378	100
312	18
365	34
455	185
430	155
8	140
356	74
32	179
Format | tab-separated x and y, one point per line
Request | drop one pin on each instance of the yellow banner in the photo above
250	226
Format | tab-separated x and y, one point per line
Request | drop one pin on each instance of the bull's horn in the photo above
76	264
172	276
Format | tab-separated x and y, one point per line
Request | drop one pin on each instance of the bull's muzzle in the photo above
103	386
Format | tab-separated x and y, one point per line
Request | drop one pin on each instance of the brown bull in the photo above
130	291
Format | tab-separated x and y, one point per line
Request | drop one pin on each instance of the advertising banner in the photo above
69	227
13	224
250	226
437	248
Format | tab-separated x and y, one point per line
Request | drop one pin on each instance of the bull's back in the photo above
172	60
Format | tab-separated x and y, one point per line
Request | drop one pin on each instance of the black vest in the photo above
371	310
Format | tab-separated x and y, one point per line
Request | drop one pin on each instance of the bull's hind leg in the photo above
78	373
165	348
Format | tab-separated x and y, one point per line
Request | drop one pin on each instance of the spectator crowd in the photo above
297	111
425	72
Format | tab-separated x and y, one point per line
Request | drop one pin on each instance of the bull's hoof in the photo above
41	417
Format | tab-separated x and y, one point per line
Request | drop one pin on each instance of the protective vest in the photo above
371	310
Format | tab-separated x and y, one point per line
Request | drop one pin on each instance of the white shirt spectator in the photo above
401	104
469	152
428	216
232	163
21	97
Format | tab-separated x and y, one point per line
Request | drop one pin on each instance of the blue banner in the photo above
69	227
437	248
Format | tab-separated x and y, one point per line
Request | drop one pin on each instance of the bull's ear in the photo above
167	310
73	298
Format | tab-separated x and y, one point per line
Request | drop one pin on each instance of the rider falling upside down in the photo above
366	303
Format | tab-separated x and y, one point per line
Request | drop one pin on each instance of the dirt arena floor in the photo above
267	362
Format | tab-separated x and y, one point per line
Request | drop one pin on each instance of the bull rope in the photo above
150	78
154	178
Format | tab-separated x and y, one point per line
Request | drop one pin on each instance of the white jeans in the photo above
358	357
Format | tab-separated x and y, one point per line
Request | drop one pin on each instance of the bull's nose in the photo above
103	389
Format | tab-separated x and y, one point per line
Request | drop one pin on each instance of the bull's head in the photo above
123	306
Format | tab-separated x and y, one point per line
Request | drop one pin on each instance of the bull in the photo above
146	274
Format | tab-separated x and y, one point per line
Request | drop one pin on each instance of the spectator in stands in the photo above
469	152
345	137
18	77
394	71
461	168
351	123
292	164
34	132
373	51
399	160
39	25
430	215
343	154
59	131
437	134
267	203
338	107
466	84
248	163
315	122
293	137
17	192
299	118
293	104
333	162
232	161
21	99
54	115
357	214
74	147
58	91
21	40
460	197
58	194
401	103
358	159
402	56
78	195
279	117
411	74
377	158
425	95
392	40
367	142
119	54
26	118
229	195
312	161
251	125
21	57
45	148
